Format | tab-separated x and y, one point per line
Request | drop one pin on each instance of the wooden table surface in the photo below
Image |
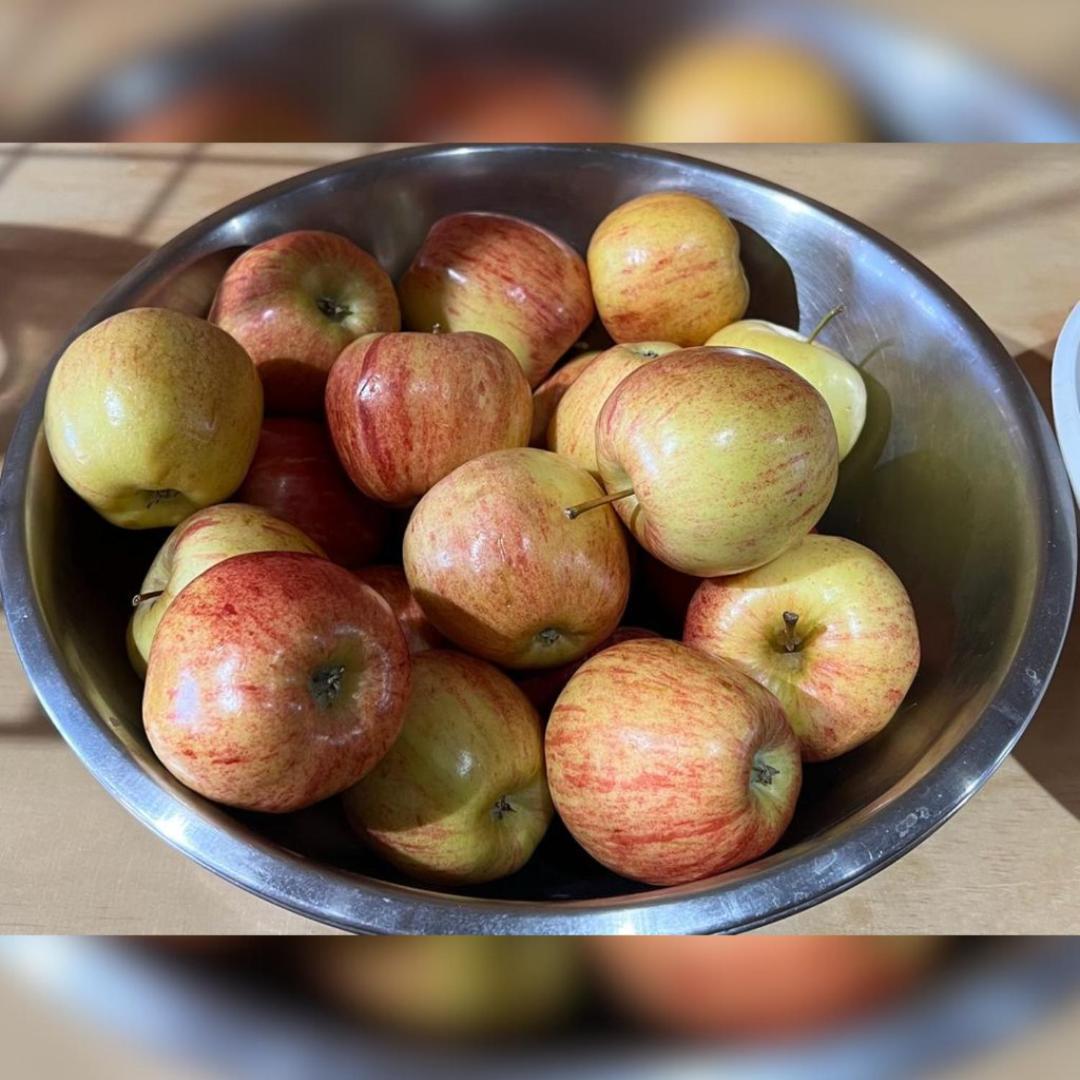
1001	224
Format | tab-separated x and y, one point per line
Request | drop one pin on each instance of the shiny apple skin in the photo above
404	410
392	585
654	753
499	568
665	267
860	647
502	276
732	457
297	477
549	393
229	706
461	796
269	301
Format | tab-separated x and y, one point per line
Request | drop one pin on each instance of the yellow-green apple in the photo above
549	393
276	680
153	414
392	585
296	475
404	410
502	276
756	986
665	267
294	302
572	430
203	540
460	798
827	627
836	379
501	570
716	459
668	765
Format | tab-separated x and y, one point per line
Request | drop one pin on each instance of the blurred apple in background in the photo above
152	414
669	766
501	276
549	393
392	585
460	798
296	475
739	89
206	538
294	302
728	459
665	267
275	681
661	595
404	410
831	375
501	570
827	627
572	431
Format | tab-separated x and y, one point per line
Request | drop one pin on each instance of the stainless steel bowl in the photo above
956	481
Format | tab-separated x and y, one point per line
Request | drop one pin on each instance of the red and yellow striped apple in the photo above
549	393
392	585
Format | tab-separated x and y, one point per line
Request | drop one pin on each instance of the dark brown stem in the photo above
824	321
141	598
791	640
601	500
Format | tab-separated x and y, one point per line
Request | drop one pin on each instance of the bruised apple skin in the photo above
275	680
392	585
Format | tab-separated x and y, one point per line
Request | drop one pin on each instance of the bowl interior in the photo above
947	482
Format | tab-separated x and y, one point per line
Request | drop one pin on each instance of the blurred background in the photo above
540	70
756	1006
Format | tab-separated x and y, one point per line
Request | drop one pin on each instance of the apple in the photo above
827	627
392	585
294	302
756	986
716	459
276	680
501	570
460	798
665	267
501	276
404	410
296	475
572	430
549	393
544	686
835	378
151	415
203	540
668	765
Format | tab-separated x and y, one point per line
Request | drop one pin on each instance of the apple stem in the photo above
601	500
436	328
141	598
824	321
791	640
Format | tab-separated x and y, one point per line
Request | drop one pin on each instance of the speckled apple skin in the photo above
549	393
203	540
496	564
268	302
665	267
650	751
732	457
436	806
296	476
861	652
405	410
502	276
151	415
572	431
227	705
392	585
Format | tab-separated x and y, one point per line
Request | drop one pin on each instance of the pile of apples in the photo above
416	599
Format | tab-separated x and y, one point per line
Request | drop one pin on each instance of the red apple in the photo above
392	585
501	276
668	766
275	681
297	477
404	410
294	302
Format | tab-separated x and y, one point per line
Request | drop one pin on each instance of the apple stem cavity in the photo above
325	684
142	598
791	640
332	309
824	321
601	500
502	807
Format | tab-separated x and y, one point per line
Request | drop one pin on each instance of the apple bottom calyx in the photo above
325	684
159	495
761	772
333	310
502	807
